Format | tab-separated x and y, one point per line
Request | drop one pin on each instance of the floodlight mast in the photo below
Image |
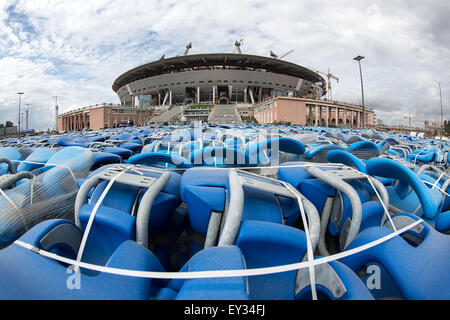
189	46
359	58
20	96
237	46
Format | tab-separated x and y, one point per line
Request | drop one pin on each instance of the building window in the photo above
121	111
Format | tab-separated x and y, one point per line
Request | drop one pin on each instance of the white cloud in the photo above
76	49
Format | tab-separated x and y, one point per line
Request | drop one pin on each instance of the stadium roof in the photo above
229	61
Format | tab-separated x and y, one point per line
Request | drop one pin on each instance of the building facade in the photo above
303	111
100	116
217	78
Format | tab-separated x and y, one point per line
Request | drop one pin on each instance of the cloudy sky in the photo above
76	49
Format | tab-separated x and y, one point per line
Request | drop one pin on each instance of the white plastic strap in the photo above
436	182
94	212
44	164
379	197
435	187
216	273
309	248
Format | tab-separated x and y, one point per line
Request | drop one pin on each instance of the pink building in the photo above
99	116
303	111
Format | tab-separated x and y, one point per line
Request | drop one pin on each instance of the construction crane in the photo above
237	46
273	55
409	117
187	48
329	76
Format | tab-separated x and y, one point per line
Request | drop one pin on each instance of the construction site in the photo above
220	88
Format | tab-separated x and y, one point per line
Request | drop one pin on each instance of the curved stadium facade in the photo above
221	78
221	88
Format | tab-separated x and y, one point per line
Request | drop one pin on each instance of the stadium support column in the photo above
359	120
245	95
316	108
328	116
320	116
170	97
353	118
214	95
337	117
251	95
345	117
198	95
165	98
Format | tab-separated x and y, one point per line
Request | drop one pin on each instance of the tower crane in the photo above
237	46
329	76
273	55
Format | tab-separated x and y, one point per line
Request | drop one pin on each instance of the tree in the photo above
8	124
447	127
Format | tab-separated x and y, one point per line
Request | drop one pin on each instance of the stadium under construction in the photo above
219	88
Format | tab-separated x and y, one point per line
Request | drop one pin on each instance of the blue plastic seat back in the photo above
161	159
63	166
66	141
211	259
205	191
422	156
354	287
318	191
319	153
261	151
364	149
11	154
122	152
103	158
114	222
442	223
132	146
219	157
266	244
431	205
36	160
32	276
427	263
344	157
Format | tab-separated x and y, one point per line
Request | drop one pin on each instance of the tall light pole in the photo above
442	125
26	116
20	96
359	58
56	112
